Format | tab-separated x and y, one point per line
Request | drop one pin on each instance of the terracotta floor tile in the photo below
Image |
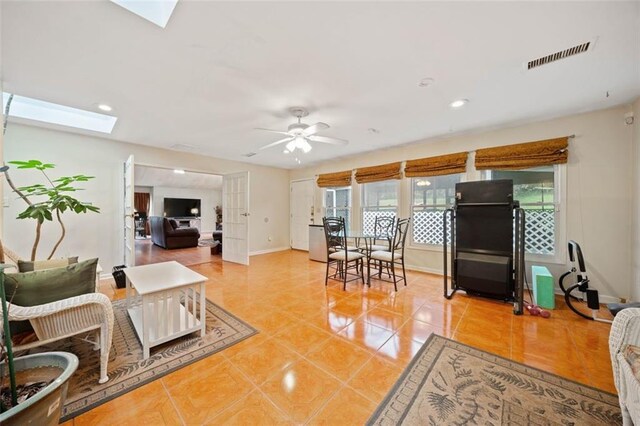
253	409
300	390
302	337
365	335
399	351
149	404
420	331
375	378
338	357
252	341
497	345
273	321
330	320
202	390
283	295
384	318
347	407
264	360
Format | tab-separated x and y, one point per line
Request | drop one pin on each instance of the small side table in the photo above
162	301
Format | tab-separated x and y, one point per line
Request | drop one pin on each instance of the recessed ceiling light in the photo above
48	112
179	171
105	107
459	103
426	82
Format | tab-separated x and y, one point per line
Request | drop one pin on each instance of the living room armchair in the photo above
168	235
87	313
624	343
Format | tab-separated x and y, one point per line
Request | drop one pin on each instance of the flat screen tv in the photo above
181	207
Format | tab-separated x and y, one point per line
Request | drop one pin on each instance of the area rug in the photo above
127	369
454	384
207	242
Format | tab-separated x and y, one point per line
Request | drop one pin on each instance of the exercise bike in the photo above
581	285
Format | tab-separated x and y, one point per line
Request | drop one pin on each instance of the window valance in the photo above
436	166
328	180
524	155
379	173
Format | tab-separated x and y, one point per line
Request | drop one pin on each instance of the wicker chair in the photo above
85	314
625	330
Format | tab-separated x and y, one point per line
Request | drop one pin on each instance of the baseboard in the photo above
423	269
271	250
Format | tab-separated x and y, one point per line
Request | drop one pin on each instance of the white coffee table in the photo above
154	295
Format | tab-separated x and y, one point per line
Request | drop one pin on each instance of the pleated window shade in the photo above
379	173
524	155
329	180
436	166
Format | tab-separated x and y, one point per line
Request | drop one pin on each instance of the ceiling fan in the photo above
299	134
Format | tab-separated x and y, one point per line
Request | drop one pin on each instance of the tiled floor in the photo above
326	356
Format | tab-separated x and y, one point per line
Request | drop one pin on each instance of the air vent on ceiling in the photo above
251	154
581	48
184	147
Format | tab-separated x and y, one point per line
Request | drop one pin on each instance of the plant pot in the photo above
43	408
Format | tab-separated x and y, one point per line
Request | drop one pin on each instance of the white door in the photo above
302	205
129	225
235	217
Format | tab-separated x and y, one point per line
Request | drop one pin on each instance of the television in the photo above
181	207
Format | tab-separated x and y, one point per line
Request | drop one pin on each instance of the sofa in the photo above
624	348
167	234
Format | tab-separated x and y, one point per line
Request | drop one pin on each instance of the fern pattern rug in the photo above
127	369
449	383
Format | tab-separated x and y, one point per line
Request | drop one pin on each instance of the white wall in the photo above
635	252
209	199
101	234
599	173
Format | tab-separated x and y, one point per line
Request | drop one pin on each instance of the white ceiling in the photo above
220	69
155	176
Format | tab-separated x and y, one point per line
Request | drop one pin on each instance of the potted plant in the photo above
51	199
37	384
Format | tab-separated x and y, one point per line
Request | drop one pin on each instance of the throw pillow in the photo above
174	223
38	265
49	285
632	355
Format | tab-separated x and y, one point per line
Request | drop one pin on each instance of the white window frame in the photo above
349	207
409	191
560	218
399	200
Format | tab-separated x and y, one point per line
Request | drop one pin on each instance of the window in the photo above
537	191
378	199
337	203
430	196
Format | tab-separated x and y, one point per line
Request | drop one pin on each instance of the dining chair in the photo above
338	254
392	257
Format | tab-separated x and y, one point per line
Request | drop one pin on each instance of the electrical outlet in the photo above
6	202
269	239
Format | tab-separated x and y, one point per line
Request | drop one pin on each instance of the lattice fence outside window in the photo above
540	231
369	215
427	225
339	212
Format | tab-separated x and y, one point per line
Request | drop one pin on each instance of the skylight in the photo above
156	11
47	112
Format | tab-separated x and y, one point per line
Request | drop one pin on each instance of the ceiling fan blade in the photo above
325	139
277	142
272	131
315	128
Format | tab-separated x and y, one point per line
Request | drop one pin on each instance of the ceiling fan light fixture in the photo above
291	146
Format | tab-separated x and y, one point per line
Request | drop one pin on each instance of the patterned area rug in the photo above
451	383
128	371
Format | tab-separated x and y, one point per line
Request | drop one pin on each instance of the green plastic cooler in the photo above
543	287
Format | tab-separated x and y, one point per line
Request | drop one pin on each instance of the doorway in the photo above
189	202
